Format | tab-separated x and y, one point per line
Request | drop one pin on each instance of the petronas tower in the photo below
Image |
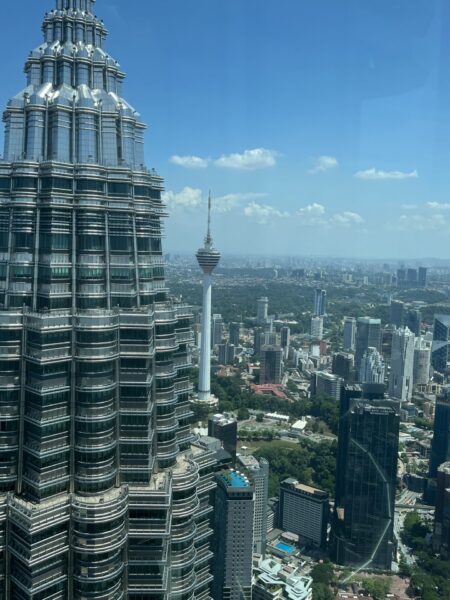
103	491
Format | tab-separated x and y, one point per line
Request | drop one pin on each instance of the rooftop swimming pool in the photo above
285	548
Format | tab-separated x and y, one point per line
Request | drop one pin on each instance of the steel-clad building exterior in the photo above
102	495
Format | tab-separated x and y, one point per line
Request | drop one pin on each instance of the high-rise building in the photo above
422	277
372	369
224	428
413	320
363	525
441	334
217	329
397	313
402	365
349	336
387	334
368	335
441	534
258	340
411	277
98	477
440	446
422	361
227	353
258	473
262	313
271	365
344	366
285	338
235	334
317	328
401	277
326	384
320	302
304	511
233	537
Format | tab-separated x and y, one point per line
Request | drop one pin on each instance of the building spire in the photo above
208	239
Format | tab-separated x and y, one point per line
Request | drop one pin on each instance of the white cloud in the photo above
189	162
438	206
410	206
421	222
346	219
375	174
262	213
188	197
313	209
324	163
258	158
316	214
228	202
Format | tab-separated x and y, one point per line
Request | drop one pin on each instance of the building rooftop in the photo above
274	573
234	479
248	461
301	487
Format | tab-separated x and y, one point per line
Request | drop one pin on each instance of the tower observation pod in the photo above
208	258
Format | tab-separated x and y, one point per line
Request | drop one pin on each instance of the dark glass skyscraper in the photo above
103	493
441	335
366	483
440	446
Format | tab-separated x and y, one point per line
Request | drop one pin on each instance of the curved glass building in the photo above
102	494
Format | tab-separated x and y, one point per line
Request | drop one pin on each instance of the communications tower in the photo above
208	259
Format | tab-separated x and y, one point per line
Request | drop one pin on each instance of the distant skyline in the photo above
321	127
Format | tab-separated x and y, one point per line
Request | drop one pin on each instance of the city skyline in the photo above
239	101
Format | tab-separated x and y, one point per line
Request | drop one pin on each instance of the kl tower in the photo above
208	259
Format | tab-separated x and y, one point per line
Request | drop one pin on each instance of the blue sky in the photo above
321	126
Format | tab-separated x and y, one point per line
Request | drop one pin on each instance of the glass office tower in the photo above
102	495
363	524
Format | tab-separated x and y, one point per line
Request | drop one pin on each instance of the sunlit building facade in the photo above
104	496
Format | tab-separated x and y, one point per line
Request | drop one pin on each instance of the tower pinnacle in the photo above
208	257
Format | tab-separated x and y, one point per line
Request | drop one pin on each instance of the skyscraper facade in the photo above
349	335
326	384
258	473
235	334
233	537
224	428
441	334
422	361
304	511
262	313
402	365
440	446
372	369
368	335
413	320
363	534
343	366
285	336
397	313
441	536
317	328
102	488
320	302
422	277
271	364
217	328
